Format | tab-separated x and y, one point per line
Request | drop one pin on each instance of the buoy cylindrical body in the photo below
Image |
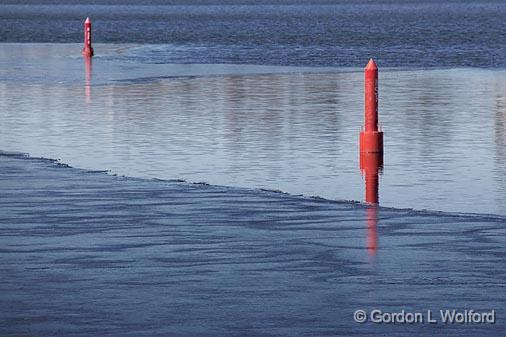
371	97
87	49
371	138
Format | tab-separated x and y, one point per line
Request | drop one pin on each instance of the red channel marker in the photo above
371	138
87	50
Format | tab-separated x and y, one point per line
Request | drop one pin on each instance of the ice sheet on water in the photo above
62	63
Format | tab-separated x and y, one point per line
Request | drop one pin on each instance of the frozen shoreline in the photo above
87	253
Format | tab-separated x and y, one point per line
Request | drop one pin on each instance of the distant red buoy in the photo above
371	138
87	50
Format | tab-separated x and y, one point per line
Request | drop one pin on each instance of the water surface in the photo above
425	33
293	129
88	254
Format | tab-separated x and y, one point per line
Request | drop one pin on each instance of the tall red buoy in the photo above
87	50
371	138
371	153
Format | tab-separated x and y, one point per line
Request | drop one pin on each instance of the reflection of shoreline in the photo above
266	115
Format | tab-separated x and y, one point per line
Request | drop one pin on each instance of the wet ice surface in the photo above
86	254
49	64
289	128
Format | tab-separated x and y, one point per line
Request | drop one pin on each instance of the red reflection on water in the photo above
371	165
372	233
87	79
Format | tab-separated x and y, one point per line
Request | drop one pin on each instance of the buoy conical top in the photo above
371	65
88	20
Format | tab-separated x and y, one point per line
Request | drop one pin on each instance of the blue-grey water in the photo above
248	95
290	32
89	254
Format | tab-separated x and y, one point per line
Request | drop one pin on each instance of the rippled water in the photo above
290	32
293	129
87	254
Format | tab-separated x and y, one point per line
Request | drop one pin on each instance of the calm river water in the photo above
289	128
